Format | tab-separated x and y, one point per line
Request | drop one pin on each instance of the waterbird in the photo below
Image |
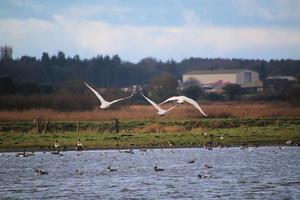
182	99
202	177
78	173
289	142
208	166
111	170
129	151
105	104
158	169
24	154
40	172
161	111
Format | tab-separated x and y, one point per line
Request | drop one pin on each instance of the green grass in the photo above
255	135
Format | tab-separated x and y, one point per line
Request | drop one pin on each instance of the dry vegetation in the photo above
134	112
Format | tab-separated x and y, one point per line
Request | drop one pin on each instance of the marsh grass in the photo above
142	112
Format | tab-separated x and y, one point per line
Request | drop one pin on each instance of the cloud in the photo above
270	10
88	37
86	11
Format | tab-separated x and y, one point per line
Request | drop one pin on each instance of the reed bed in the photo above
138	112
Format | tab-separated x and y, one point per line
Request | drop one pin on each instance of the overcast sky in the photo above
164	29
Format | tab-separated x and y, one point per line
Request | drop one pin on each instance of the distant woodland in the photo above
56	81
106	71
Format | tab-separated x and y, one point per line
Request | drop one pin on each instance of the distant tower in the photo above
6	52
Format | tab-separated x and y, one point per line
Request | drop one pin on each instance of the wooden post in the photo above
36	125
77	126
46	126
117	125
55	130
63	127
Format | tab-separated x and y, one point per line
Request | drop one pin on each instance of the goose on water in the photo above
158	169
111	170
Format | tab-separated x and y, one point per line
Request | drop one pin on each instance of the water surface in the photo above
261	173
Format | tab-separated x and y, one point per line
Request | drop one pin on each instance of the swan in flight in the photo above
181	99
104	103
161	111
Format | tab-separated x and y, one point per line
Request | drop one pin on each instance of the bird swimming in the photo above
40	172
203	176
78	173
158	169
111	170
161	111
182	99
105	104
208	166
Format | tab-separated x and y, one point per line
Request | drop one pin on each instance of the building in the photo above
279	83
5	52
216	79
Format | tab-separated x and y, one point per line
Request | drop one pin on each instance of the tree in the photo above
232	90
293	95
61	58
7	85
45	59
193	92
163	86
28	88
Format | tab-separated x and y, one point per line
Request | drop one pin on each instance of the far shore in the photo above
33	150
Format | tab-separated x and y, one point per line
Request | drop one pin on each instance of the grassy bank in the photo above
151	133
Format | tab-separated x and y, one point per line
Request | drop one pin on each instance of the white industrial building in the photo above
219	78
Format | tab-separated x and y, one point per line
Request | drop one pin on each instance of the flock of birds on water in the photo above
179	99
40	172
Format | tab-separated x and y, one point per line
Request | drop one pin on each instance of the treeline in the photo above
56	82
106	71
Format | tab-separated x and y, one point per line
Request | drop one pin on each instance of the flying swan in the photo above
161	111
181	99
104	103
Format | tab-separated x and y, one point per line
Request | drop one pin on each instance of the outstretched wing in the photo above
121	99
173	108
194	103
96	93
154	104
175	98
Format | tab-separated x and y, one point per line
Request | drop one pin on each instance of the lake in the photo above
253	173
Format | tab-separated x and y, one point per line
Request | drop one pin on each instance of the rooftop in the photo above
216	71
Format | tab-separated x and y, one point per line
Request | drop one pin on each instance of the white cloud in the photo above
90	37
275	10
87	10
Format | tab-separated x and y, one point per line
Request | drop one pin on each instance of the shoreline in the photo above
33	150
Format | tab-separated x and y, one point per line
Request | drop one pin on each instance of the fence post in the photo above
77	126
63	127
36	125
117	125
46	126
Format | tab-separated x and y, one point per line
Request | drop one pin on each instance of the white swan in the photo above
104	103
181	99
160	110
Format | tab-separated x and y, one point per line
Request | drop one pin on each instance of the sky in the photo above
164	29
